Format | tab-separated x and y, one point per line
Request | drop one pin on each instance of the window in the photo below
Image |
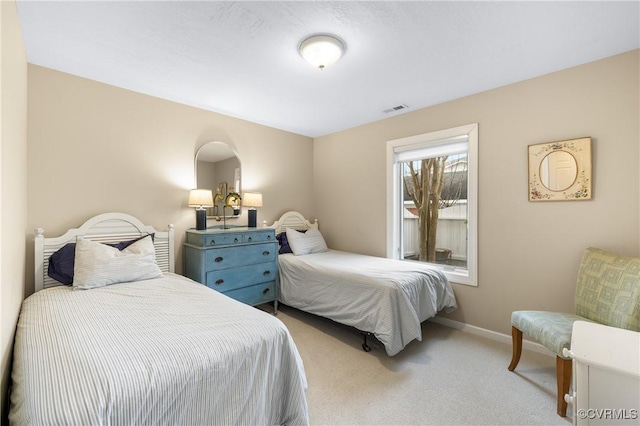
432	201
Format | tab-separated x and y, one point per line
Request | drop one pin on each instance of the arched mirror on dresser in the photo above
217	167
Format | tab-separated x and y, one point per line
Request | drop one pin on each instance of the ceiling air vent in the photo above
395	108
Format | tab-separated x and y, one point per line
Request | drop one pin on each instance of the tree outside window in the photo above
435	191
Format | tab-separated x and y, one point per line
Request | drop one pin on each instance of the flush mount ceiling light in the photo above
321	50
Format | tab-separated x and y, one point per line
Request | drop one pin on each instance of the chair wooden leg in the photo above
563	376
516	337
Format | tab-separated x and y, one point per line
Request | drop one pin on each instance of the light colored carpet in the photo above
450	377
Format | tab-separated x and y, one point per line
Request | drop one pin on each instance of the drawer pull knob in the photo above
269	237
212	242
235	240
249	239
266	253
265	273
219	259
219	282
266	290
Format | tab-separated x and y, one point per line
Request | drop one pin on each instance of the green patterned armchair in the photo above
607	292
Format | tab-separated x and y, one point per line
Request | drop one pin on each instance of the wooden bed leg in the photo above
516	338
563	373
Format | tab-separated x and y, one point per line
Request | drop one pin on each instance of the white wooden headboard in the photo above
107	228
294	220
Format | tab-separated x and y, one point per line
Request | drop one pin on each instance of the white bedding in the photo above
162	351
389	298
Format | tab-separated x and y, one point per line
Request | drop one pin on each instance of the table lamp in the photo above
201	198
252	200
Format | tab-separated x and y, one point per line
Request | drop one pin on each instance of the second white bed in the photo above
385	297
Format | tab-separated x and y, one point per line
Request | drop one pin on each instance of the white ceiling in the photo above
241	59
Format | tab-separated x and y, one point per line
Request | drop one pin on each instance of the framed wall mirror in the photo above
217	167
560	171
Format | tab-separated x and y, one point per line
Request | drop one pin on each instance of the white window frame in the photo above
467	132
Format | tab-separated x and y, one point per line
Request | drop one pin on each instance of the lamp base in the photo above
201	219
253	214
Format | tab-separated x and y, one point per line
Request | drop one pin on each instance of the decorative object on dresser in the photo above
233	200
239	262
252	200
201	198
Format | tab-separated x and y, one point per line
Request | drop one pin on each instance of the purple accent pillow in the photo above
284	242
62	262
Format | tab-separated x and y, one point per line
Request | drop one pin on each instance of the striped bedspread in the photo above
162	351
389	298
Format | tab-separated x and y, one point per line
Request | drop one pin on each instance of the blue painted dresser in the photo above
239	262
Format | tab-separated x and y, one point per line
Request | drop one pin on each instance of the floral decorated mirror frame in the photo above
560	171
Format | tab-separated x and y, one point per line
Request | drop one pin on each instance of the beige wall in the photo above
13	184
94	148
528	252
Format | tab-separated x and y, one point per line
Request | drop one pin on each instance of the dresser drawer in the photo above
231	257
228	279
259	236
223	239
255	294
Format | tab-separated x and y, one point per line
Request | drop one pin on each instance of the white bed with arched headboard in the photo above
106	228
163	350
384	297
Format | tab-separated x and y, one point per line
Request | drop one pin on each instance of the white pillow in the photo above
307	243
99	265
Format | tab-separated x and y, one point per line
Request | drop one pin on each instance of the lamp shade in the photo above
252	199
200	198
321	50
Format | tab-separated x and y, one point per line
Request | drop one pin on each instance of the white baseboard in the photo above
493	335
